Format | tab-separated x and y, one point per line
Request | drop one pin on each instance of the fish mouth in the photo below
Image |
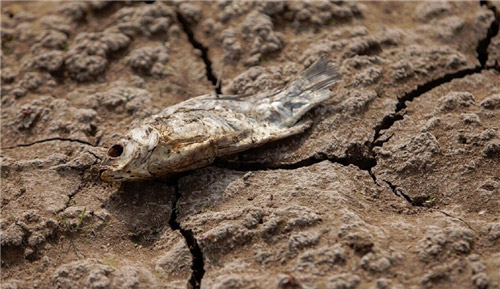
107	170
106	174
101	172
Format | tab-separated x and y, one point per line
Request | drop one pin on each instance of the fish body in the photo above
193	133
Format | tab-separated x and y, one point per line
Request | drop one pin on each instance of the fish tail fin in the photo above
321	75
307	91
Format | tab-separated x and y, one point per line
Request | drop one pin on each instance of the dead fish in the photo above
193	133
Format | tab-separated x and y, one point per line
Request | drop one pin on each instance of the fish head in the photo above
127	159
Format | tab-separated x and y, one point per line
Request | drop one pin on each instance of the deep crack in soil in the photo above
354	157
482	47
197	266
359	161
204	53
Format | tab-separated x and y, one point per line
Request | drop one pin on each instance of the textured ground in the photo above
396	185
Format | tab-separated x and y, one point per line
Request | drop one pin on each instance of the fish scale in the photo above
193	133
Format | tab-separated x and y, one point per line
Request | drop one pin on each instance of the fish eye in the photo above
115	151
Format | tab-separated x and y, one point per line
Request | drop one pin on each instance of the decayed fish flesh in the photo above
193	133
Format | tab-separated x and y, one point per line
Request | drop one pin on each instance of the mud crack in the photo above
204	52
399	193
389	120
482	47
197	266
398	114
72	195
356	155
49	140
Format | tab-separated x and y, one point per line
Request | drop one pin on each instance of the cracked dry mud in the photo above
396	184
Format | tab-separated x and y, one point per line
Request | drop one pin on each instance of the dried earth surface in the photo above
396	185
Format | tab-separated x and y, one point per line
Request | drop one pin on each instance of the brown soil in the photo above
396	184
